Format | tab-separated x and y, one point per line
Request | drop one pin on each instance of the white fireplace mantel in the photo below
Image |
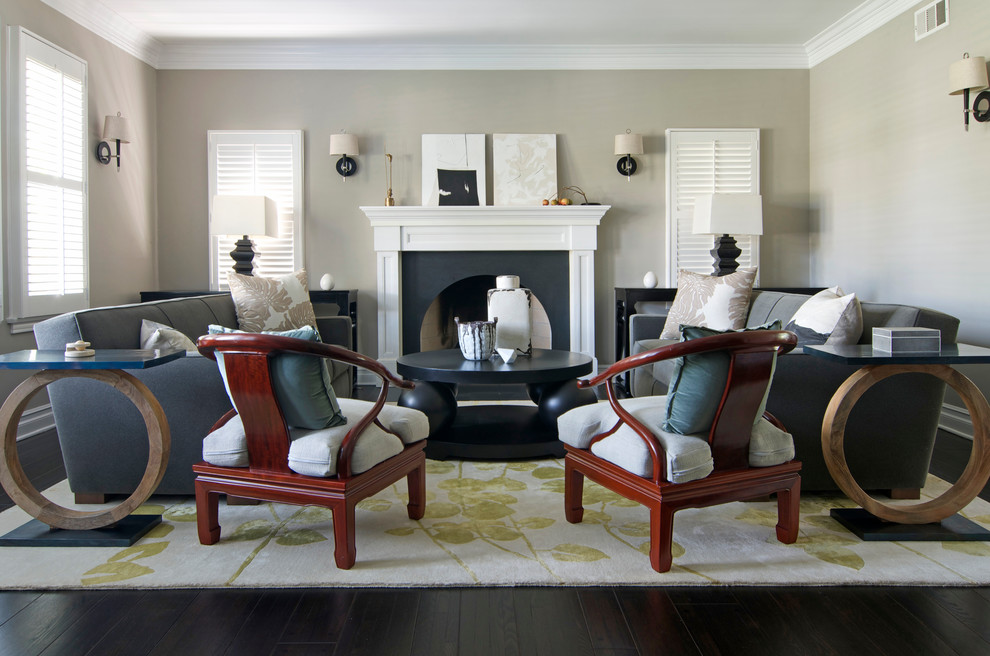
572	228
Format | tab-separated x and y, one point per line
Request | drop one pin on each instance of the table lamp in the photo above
727	215
244	215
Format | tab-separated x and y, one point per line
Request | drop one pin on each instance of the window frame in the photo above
21	306
216	138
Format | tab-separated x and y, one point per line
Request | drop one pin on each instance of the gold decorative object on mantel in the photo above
389	201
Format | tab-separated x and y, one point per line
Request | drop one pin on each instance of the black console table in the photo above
344	299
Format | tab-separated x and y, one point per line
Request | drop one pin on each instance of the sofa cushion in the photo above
156	335
829	317
302	383
697	385
271	303
720	302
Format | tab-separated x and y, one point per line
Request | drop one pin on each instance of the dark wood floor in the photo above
477	622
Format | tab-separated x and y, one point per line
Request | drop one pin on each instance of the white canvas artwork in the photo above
454	169
524	168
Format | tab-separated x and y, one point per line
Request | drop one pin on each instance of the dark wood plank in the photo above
795	632
39	624
262	632
304	649
655	624
381	623
605	621
209	624
11	603
99	620
143	624
551	622
958	616
488	622
437	623
319	616
723	628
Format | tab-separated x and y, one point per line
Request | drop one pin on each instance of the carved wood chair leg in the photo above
573	493
207	515
345	552
661	536
416	480
788	512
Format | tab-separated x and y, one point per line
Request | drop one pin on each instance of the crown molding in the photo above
97	18
294	55
852	27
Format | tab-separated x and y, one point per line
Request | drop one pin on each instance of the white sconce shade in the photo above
116	128
968	73
728	214
629	144
255	216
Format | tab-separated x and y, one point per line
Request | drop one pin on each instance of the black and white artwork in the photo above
460	160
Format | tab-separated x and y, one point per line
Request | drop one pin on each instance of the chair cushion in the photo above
720	302
698	382
688	457
303	385
315	452
156	335
829	317
271	303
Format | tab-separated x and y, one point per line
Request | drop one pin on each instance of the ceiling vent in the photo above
931	18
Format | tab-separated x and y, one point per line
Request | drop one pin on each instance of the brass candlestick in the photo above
389	201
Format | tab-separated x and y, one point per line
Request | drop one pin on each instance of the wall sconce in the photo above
115	128
343	144
247	216
628	144
970	74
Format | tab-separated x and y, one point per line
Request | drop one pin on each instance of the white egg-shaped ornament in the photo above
650	280
326	282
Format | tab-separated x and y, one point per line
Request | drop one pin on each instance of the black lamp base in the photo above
243	254
725	254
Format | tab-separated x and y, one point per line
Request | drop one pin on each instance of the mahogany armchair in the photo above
377	446
745	454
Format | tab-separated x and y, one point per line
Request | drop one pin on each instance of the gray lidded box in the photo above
907	339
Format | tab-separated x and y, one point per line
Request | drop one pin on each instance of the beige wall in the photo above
585	110
900	192
122	206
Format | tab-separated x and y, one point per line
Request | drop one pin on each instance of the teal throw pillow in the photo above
302	383
698	382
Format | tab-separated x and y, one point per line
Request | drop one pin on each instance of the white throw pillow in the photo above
719	302
829	317
156	335
271	303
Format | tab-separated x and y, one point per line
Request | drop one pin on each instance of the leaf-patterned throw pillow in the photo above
719	302
271	303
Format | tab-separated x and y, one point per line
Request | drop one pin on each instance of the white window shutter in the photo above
705	162
266	163
48	249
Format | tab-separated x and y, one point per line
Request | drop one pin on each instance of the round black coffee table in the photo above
494	431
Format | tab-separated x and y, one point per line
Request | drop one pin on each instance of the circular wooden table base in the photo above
24	494
973	478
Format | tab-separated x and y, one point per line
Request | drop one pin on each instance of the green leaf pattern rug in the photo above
495	523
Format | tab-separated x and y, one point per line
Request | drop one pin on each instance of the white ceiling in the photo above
481	33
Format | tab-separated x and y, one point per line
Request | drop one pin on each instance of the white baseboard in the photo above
35	421
956	420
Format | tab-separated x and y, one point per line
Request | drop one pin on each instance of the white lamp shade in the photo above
344	144
116	128
967	73
728	214
255	216
628	144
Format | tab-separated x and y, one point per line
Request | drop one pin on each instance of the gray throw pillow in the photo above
698	382
302	383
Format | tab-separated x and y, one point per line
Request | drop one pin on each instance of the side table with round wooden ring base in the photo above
55	525
936	519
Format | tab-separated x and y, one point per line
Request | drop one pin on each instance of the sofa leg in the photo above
91	497
905	493
241	501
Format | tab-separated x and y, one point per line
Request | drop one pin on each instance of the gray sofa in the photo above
891	431
103	438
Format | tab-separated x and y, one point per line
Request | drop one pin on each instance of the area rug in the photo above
496	524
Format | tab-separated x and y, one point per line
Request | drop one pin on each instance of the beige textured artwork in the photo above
271	303
497	523
524	168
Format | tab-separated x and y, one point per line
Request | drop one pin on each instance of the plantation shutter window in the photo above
48	249
263	163
703	162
